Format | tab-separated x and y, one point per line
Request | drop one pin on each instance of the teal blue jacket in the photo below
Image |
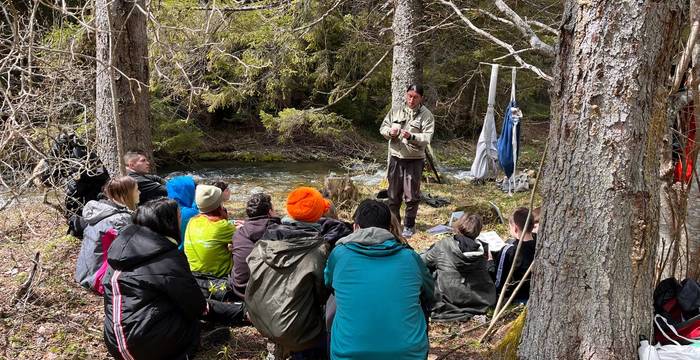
380	286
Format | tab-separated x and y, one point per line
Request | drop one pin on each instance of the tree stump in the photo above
341	190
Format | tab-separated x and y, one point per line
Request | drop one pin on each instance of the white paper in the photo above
491	237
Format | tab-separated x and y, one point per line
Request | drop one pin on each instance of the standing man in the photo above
409	129
150	186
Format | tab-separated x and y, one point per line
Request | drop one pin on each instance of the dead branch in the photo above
525	29
26	286
498	42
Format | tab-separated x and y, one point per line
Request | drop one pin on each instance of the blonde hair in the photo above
120	190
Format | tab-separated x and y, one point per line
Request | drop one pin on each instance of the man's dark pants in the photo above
404	185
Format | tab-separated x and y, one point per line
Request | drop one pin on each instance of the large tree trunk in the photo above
592	283
693	215
122	78
407	67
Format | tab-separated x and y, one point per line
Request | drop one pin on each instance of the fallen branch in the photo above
24	289
444	356
497	316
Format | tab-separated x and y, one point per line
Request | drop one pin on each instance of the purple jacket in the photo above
244	240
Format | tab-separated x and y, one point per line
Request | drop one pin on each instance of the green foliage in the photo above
294	125
172	134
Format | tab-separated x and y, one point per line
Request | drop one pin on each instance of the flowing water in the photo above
246	178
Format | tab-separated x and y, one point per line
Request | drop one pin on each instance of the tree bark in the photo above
693	215
121	94
592	282
407	67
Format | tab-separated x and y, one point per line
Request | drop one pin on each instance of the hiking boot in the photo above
408	232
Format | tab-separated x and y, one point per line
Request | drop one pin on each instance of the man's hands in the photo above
393	132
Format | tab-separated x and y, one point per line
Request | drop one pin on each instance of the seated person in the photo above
152	302
463	284
285	293
105	219
85	185
181	189
225	191
380	286
260	216
138	167
500	264
207	239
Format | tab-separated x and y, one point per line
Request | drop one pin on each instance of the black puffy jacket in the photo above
150	186
152	301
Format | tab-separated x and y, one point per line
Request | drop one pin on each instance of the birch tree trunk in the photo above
121	92
407	67
592	283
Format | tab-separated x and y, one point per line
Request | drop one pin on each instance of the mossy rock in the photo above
507	349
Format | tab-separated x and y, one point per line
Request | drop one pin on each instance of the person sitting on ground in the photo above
463	285
138	167
181	189
381	287
225	191
152	302
285	293
500	264
85	185
207	239
261	215
105	219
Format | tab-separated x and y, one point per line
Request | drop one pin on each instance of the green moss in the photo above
507	348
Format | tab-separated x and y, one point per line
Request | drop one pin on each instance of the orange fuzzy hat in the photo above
306	204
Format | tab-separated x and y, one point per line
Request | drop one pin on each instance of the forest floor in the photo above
57	319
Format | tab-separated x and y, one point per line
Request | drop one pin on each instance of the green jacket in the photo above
419	123
206	246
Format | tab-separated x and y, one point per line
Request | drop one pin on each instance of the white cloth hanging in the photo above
484	165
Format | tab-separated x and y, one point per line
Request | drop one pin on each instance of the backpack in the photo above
285	292
677	308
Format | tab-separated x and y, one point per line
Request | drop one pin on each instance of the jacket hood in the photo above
255	227
368	236
287	244
96	211
372	241
181	189
135	245
333	230
469	247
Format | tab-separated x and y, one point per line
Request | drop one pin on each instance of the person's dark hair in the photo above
372	213
258	205
468	225
221	185
415	87
520	217
161	216
132	155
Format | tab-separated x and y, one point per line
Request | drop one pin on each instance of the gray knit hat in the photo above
207	198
